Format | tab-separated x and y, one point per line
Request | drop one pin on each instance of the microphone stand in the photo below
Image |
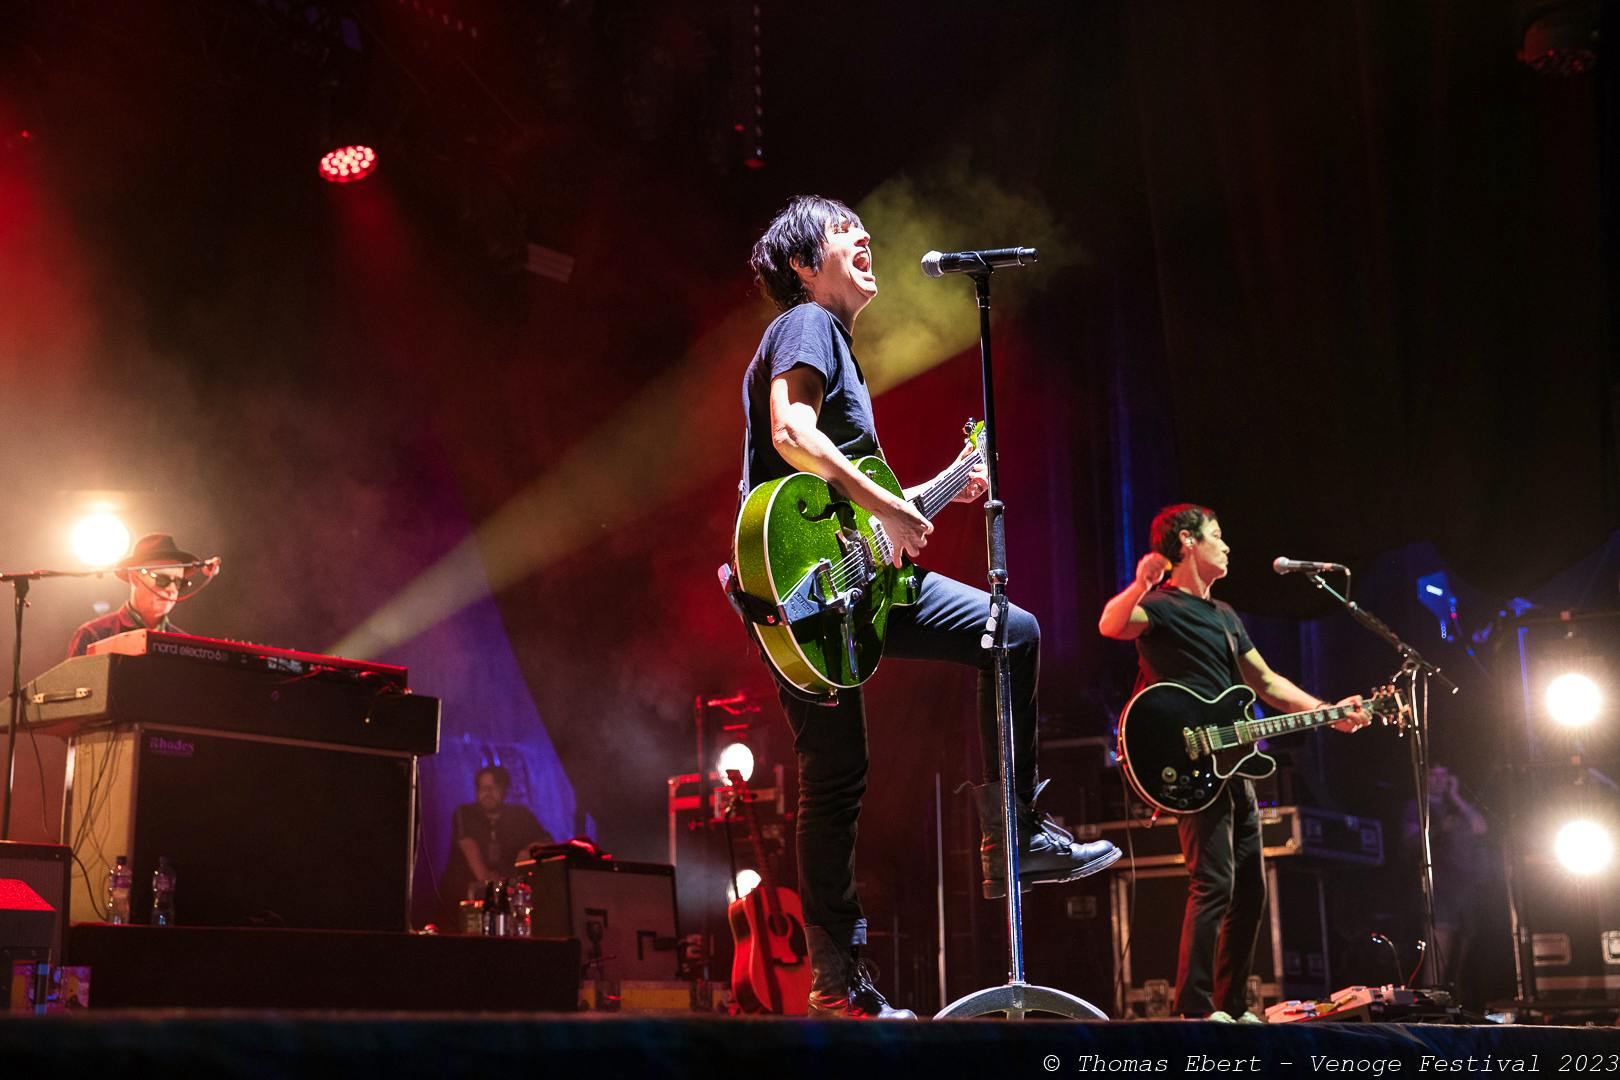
20	583
1413	668
1016	998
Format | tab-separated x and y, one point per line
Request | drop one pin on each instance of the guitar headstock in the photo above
973	431
1388	706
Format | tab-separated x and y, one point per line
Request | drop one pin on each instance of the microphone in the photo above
1285	565
938	263
192	584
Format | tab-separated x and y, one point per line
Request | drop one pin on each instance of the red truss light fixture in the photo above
348	163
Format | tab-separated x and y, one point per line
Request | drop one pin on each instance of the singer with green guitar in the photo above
822	620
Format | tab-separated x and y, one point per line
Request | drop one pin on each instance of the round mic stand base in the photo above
1017	1000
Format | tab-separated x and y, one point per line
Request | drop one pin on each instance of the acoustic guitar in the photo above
770	969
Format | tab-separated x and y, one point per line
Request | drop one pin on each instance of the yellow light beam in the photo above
686	426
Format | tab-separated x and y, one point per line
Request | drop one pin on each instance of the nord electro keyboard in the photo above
245	655
182	681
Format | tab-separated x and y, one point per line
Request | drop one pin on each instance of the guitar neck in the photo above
1248	732
938	495
773	903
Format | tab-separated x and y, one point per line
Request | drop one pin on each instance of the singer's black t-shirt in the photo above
813	336
1185	641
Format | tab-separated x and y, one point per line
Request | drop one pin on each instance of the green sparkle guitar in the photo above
820	568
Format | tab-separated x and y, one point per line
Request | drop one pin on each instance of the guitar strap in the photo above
1231	647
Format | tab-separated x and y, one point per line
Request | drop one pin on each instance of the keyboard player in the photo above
158	580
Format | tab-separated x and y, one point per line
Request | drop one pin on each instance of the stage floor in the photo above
186	1043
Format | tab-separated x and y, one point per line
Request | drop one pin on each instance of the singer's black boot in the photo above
1048	854
841	983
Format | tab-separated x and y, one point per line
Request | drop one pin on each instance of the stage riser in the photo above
403	1046
205	967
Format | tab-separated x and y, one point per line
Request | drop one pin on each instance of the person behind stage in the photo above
152	594
489	836
1183	635
1467	876
807	408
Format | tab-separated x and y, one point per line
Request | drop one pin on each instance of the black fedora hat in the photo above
155	549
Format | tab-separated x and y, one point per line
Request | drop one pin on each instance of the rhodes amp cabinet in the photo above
262	832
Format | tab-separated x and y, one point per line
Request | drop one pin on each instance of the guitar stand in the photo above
1016	999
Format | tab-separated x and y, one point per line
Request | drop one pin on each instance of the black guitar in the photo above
1179	748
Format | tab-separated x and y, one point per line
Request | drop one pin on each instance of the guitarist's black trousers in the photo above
945	624
1226	897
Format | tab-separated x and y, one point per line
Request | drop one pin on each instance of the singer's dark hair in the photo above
1165	532
798	232
497	773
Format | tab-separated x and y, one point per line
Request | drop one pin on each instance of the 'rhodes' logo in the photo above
170	747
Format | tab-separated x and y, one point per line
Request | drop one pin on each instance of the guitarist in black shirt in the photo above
808	409
1183	635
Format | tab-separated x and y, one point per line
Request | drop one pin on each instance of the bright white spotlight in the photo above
99	539
1584	847
746	882
736	756
1573	700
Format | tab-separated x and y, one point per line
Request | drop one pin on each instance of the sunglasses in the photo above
163	581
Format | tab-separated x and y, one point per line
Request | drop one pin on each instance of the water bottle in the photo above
163	879
522	907
119	880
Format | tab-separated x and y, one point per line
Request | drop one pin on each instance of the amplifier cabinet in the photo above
623	914
43	868
261	831
1290	959
1567	932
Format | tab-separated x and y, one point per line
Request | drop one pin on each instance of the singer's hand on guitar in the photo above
907	529
1151	569
1357	719
979	483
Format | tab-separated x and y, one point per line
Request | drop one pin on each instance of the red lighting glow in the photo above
349	163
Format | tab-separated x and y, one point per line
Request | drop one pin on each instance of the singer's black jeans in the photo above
945	624
1226	897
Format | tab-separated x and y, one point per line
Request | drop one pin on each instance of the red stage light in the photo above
349	163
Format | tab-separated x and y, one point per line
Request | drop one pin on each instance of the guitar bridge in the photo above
827	593
1197	744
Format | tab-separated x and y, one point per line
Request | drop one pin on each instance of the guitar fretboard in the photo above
938	495
1249	732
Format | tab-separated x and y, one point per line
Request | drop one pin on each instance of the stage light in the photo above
746	882
99	539
1584	847
1573	700
736	756
348	163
